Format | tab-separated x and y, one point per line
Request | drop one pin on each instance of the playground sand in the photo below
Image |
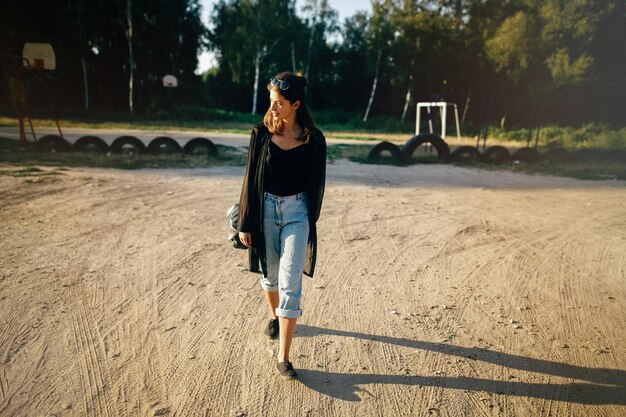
439	291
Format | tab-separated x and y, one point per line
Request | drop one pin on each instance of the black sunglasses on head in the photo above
282	84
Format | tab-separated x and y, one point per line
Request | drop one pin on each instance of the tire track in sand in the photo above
93	363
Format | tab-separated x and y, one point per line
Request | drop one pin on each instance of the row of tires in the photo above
127	145
203	146
493	154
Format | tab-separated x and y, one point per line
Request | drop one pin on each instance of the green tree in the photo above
321	20
379	35
422	51
169	36
246	32
351	59
549	43
92	49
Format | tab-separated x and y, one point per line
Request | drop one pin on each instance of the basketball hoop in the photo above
38	64
39	56
170	81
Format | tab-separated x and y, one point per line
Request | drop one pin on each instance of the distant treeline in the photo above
508	62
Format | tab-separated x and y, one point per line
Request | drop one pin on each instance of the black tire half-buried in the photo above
200	146
443	150
465	151
90	144
496	155
52	144
125	144
526	155
392	148
164	144
557	154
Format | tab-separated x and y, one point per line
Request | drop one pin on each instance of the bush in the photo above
202	114
589	136
345	121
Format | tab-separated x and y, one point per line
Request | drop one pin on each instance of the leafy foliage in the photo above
516	63
168	35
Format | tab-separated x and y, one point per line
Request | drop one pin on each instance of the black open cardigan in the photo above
251	201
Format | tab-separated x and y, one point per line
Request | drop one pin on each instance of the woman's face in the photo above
281	107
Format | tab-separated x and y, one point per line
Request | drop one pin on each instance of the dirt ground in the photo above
439	291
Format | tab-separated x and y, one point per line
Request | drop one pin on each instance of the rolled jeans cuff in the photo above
288	314
268	287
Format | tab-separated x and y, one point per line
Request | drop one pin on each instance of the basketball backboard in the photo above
170	81
39	55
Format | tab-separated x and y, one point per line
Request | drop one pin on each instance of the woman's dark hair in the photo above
294	92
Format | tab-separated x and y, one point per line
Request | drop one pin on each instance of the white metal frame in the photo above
444	106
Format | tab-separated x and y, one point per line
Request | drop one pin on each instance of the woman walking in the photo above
280	203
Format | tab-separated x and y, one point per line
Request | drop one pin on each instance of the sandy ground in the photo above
440	291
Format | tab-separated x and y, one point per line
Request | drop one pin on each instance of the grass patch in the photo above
359	153
600	167
334	123
355	153
589	136
420	158
238	126
227	155
28	171
385	158
142	124
587	170
592	170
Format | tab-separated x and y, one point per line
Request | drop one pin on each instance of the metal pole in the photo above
444	109
417	119
483	101
458	128
430	119
467	102
532	119
19	103
39	72
540	121
489	106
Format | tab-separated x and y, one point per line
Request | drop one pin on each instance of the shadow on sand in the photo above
601	386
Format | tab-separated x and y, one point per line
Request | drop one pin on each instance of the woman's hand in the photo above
246	238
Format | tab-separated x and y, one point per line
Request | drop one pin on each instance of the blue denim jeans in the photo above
286	230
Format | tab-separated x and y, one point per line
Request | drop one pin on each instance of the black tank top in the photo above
285	170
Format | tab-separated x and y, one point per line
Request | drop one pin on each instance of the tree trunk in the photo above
85	84
310	51
407	99
314	12
467	103
81	43
129	36
369	104
293	57
257	72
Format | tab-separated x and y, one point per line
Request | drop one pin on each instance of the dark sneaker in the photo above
271	329
286	370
